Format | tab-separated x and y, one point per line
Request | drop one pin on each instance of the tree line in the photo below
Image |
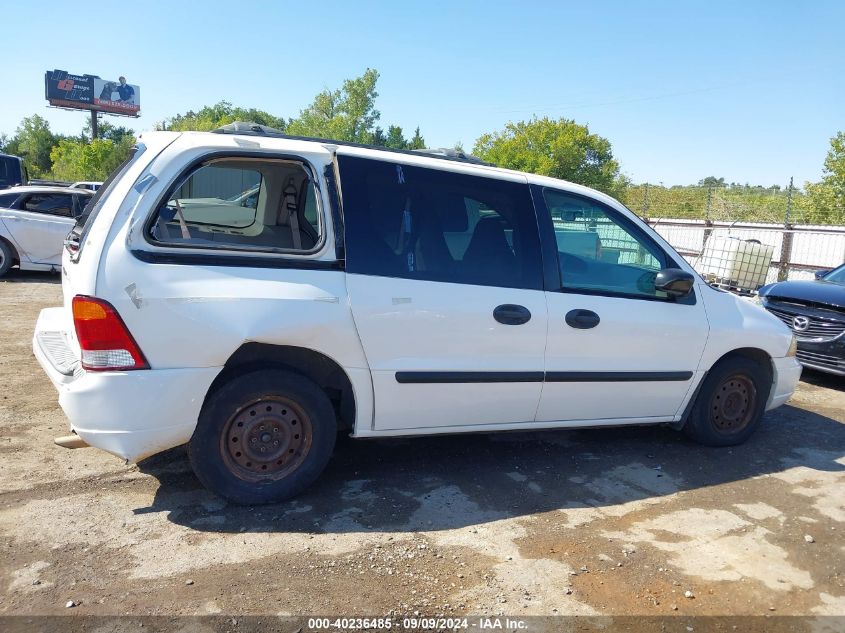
560	148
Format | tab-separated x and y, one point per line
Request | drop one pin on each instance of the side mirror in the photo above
821	273
674	282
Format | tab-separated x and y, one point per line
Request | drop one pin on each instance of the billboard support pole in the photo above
94	130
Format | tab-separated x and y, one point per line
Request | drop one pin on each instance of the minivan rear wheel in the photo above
730	404
263	437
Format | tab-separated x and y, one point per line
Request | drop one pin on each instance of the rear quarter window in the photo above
240	203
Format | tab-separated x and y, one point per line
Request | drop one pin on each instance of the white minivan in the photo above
253	294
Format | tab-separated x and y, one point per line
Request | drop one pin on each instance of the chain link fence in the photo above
774	205
741	237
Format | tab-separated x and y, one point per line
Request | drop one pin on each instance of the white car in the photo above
90	185
380	293
34	222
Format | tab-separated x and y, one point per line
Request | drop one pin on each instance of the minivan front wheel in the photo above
263	437
730	404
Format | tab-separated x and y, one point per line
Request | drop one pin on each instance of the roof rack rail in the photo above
451	154
249	128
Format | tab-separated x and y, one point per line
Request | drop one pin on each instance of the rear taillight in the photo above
105	342
72	242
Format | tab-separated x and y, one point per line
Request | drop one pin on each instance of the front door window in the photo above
599	252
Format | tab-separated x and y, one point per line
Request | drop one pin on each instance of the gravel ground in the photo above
613	522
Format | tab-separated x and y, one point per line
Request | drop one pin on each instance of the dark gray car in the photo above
815	311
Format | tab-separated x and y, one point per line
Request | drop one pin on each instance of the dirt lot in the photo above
616	521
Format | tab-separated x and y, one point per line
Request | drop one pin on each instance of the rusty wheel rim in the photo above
733	404
266	439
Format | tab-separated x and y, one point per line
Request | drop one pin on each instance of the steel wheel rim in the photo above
733	404
266	439
2	257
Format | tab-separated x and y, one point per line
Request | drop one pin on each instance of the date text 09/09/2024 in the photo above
417	623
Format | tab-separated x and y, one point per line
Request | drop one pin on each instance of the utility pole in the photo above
786	243
708	223
94	130
788	203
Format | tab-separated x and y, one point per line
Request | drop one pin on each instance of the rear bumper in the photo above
131	414
786	374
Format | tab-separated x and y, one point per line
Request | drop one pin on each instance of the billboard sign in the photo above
69	91
117	96
89	92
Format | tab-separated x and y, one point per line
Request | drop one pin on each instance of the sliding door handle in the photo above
582	319
511	314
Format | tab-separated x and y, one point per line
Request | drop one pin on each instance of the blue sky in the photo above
750	91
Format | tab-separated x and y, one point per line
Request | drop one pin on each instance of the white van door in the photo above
618	350
445	281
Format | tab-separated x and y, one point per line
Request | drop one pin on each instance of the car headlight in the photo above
793	346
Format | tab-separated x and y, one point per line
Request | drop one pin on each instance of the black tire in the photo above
7	257
730	404
263	437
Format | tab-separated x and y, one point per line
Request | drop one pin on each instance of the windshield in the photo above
837	275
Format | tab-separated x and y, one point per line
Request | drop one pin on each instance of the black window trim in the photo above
245	260
548	245
335	195
228	254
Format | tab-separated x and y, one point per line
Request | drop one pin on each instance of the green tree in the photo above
82	160
117	133
417	141
347	114
33	141
379	138
395	138
826	199
212	117
559	148
712	181
106	130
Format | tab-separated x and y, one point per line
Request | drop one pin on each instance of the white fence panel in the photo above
808	247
